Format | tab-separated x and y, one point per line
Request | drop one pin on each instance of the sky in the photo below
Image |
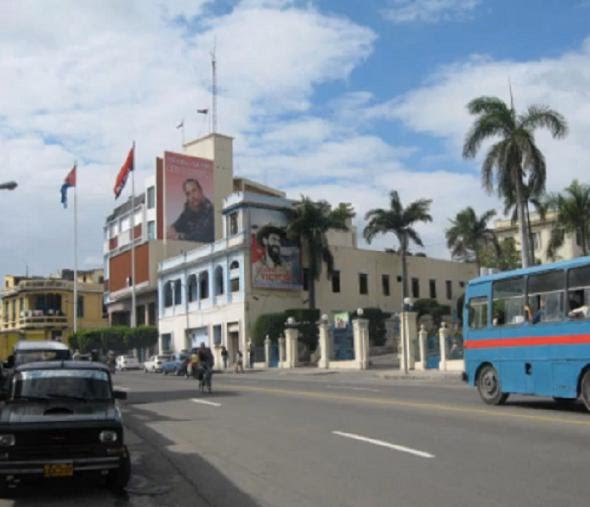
334	99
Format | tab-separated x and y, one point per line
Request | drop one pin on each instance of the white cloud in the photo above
429	11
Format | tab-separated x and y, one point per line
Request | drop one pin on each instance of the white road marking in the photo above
352	388
205	402
122	388
382	443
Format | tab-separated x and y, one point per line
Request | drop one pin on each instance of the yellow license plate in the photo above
58	470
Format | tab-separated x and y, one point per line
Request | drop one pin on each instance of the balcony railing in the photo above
40	318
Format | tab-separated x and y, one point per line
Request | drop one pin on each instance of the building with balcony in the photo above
215	293
541	235
39	308
147	222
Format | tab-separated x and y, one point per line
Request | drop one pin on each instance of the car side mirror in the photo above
120	395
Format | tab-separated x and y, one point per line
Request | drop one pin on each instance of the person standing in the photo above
238	364
224	355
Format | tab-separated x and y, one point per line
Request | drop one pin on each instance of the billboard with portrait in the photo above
276	260
188	198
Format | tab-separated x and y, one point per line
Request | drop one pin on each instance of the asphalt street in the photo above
342	440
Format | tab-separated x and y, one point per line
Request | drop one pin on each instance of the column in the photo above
325	342
360	329
291	336
282	354
267	352
443	334
422	337
408	337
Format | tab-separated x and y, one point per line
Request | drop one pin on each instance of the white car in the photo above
154	363
127	363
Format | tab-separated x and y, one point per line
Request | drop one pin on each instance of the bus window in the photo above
508	301
578	293
478	312
545	296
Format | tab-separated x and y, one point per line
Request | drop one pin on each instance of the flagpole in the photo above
76	250
133	309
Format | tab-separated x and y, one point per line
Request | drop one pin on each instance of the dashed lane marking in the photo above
382	443
205	402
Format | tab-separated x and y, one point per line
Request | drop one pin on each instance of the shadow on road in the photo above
554	406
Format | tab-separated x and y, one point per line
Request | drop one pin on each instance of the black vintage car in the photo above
60	420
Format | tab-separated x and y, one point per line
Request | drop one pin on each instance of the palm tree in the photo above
515	160
469	235
309	222
399	221
573	216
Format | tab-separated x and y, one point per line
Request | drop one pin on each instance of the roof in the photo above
541	268
58	365
40	345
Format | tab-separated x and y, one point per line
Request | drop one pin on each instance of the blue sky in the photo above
342	100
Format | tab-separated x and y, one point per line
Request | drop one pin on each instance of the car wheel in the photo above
118	479
585	389
489	387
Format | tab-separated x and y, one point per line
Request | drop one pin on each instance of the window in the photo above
385	285
151	197
363	284
415	288
177	292
399	278
508	301
234	274
192	288
336	281
166	342
305	279
449	288
546	296
432	286
204	285
462	284
168	294
151	229
218	280
578	294
80	312
217	335
478	312
233	223
536	240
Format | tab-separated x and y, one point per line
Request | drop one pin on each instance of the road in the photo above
299	441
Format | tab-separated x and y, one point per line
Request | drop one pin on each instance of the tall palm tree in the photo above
515	160
399	221
309	222
469	234
573	216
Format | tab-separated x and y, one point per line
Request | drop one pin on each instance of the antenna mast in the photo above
213	92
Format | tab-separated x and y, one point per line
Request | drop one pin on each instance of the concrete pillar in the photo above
360	330
325	342
443	334
422	337
408	337
247	352
291	336
282	352
267	352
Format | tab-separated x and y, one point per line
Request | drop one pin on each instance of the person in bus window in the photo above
582	312
538	316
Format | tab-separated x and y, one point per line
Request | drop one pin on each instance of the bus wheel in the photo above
585	389
489	388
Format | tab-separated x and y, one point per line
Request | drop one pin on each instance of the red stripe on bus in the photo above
527	341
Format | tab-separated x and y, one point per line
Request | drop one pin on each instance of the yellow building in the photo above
38	308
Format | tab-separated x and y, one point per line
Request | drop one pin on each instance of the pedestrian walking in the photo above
224	355
238	364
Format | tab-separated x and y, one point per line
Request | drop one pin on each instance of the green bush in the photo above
307	323
119	339
271	324
433	308
377	318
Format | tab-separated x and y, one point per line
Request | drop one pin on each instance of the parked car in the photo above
127	363
176	365
60	420
154	363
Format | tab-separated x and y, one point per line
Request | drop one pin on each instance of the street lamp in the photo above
9	185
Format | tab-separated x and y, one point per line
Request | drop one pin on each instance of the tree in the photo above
469	235
399	221
573	216
309	222
515	161
504	259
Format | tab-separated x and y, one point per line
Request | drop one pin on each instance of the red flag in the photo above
126	168
70	181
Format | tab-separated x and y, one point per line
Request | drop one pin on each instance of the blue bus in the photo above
527	331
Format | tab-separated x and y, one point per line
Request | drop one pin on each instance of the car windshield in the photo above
31	356
64	384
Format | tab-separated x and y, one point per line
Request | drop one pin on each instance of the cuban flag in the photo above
70	181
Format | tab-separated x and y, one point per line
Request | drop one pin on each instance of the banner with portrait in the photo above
275	259
188	198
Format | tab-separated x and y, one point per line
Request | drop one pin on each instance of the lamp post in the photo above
9	185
